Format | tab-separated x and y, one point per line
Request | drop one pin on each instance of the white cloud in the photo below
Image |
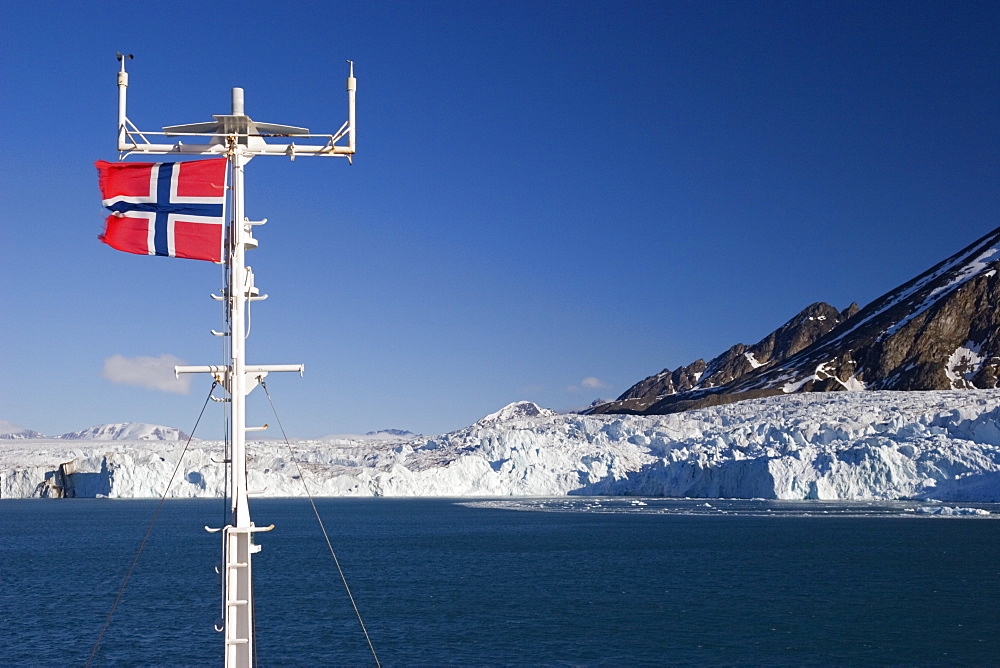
589	383
154	373
592	383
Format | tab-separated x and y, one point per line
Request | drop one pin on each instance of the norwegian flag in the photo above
175	209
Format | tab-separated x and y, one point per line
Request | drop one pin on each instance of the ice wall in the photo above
848	445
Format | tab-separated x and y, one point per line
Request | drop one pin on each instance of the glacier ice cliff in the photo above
942	445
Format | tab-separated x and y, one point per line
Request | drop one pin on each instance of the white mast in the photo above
239	139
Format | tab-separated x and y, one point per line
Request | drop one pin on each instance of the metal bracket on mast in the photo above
213	137
253	374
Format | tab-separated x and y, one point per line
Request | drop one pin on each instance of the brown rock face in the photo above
940	330
686	383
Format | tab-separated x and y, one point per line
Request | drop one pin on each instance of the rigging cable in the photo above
131	568
320	520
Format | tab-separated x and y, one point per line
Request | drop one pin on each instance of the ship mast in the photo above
239	139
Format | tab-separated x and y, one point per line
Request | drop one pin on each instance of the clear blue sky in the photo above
551	200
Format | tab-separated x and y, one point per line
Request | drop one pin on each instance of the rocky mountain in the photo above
390	432
700	378
938	331
796	334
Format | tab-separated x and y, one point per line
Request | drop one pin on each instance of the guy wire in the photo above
149	529
326	536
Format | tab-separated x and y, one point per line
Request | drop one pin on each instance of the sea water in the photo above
549	582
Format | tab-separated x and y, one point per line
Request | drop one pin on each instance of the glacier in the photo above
867	445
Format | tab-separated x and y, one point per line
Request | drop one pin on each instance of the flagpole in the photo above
240	139
238	545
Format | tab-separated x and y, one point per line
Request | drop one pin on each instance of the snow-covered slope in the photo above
850	445
515	411
11	430
128	431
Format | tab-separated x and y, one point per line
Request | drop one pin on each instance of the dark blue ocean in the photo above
571	582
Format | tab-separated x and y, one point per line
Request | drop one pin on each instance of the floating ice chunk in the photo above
948	510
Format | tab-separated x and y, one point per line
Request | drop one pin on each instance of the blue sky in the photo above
550	201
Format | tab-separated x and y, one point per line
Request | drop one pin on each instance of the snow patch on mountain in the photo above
963	364
822	372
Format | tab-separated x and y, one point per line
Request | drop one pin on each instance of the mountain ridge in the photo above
936	331
118	431
9	430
